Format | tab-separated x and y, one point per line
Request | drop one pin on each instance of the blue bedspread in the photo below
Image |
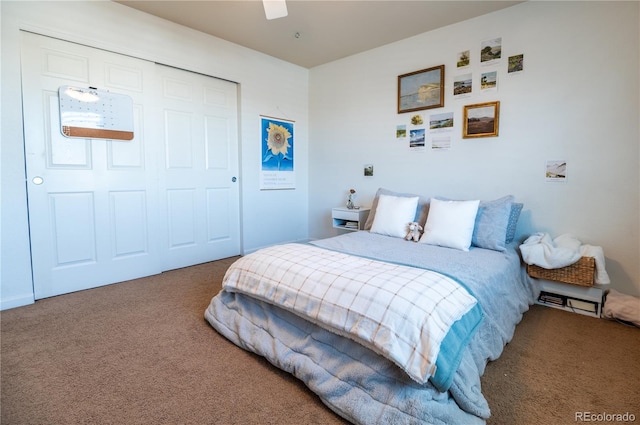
362	386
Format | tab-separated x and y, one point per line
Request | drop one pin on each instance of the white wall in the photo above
577	100
267	86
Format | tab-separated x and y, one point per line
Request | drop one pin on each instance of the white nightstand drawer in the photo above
349	219
346	214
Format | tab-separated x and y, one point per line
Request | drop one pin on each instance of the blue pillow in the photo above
491	224
516	208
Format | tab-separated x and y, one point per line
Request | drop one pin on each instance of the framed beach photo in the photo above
420	90
481	120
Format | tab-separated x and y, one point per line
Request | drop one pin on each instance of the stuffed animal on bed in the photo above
414	232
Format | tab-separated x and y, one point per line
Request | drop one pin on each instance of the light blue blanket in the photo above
362	386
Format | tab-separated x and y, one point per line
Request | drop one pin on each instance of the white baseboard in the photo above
15	302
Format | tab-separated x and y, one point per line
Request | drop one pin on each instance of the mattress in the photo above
357	381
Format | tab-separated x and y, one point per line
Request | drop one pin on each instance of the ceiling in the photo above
316	32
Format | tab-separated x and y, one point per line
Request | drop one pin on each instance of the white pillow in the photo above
450	223
393	215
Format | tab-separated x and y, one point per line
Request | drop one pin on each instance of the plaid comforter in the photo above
403	313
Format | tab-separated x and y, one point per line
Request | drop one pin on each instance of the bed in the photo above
451	303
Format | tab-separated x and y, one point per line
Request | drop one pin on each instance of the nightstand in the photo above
565	296
349	219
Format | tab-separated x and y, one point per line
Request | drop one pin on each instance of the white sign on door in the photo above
92	113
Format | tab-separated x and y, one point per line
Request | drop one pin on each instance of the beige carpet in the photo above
140	352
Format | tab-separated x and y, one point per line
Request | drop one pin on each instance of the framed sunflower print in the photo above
277	160
422	89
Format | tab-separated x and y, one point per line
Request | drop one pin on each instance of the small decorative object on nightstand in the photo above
351	198
349	218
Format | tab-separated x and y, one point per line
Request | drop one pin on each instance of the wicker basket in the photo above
581	273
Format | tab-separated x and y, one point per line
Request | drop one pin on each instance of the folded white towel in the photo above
540	250
602	277
568	242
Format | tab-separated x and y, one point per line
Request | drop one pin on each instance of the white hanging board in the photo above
93	113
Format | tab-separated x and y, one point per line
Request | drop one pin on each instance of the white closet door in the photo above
96	211
200	167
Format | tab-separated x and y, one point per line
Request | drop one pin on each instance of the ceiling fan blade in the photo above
275	9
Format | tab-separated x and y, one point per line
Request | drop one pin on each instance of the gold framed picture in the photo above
481	120
420	90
